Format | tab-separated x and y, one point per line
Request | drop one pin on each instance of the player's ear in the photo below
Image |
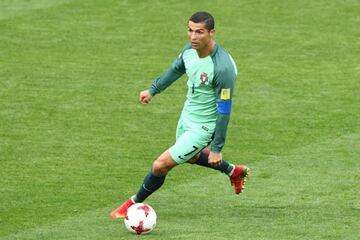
212	32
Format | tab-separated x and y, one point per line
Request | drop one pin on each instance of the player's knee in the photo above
194	159
160	167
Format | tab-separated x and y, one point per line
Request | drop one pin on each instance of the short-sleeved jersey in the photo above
210	84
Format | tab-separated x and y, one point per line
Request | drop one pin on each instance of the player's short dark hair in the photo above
203	17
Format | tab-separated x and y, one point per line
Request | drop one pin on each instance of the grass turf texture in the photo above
74	142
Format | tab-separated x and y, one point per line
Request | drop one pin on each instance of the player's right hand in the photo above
145	97
214	159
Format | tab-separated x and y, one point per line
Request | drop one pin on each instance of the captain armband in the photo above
224	107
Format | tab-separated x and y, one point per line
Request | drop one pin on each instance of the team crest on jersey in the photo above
204	78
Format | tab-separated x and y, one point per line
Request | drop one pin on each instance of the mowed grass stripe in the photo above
15	8
95	223
185	210
73	139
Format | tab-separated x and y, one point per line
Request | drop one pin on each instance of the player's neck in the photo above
206	51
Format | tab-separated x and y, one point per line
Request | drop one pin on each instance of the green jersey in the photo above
210	84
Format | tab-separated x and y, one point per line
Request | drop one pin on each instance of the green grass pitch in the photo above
75	143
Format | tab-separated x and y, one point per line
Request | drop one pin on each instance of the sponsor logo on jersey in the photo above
204	78
225	94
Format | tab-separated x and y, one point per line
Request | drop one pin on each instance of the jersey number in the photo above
195	148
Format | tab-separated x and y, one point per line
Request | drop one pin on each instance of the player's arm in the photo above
224	85
176	70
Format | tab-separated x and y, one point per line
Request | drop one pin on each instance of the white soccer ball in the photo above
140	218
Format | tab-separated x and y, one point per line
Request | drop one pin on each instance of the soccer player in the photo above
201	129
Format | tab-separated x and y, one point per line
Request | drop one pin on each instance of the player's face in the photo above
199	35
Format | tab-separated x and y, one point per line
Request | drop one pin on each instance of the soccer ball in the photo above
140	218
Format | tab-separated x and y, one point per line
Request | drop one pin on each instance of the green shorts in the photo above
191	138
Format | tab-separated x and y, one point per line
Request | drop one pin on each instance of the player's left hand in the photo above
214	158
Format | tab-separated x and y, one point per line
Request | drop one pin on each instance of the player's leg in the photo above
202	160
161	166
152	182
156	177
236	173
